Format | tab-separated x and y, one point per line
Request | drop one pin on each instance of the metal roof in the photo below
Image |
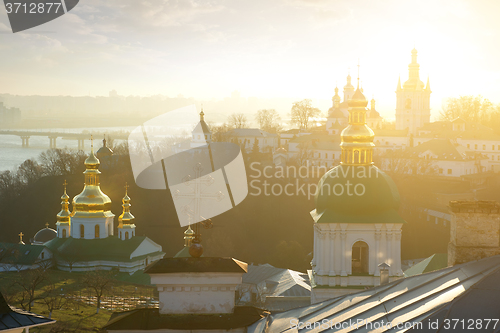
14	318
286	282
469	291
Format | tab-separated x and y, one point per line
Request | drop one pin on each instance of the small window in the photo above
492	147
82	231
484	147
64	233
27	252
475	146
126	235
408	104
97	231
43	255
468	145
440	170
449	171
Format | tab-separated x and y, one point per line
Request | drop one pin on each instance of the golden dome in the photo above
357	138
91	202
126	217
189	235
64	214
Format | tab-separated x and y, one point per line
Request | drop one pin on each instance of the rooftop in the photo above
469	291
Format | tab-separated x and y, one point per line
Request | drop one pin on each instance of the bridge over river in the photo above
53	136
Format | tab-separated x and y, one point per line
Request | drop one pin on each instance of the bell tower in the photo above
413	99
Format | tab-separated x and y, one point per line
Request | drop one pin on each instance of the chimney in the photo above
474	232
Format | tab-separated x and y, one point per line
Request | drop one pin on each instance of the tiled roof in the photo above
110	248
24	254
443	149
194	265
151	320
13	318
469	291
286	281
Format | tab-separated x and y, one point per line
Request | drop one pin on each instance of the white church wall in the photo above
333	245
209	292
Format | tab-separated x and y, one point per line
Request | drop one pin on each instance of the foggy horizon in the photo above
287	49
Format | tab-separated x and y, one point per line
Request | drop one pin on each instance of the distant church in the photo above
413	100
85	237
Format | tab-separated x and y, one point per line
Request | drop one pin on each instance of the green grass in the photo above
75	315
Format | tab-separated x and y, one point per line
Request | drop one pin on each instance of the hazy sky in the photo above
262	48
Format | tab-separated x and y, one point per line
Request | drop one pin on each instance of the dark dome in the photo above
103	152
45	235
378	203
336	113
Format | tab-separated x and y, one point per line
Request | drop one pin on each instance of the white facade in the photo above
91	228
413	100
122	266
333	256
126	231
188	293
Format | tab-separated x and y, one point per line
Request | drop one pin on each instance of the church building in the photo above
356	223
413	100
85	237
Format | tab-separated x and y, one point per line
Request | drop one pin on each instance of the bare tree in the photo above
305	154
53	299
469	108
30	171
99	282
62	161
219	132
29	281
269	120
302	112
237	120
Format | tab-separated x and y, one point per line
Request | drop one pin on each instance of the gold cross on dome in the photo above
21	236
47	225
126	187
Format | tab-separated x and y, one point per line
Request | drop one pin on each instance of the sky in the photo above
261	48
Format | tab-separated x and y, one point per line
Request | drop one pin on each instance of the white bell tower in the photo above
413	100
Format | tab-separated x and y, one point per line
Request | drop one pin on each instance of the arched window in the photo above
120	235
64	233
126	234
360	258
97	231
356	156
408	104
82	231
43	255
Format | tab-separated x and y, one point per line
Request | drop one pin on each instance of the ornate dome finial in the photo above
64	214
21	238
188	236
92	202
126	217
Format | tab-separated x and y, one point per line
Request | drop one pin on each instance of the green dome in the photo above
371	197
